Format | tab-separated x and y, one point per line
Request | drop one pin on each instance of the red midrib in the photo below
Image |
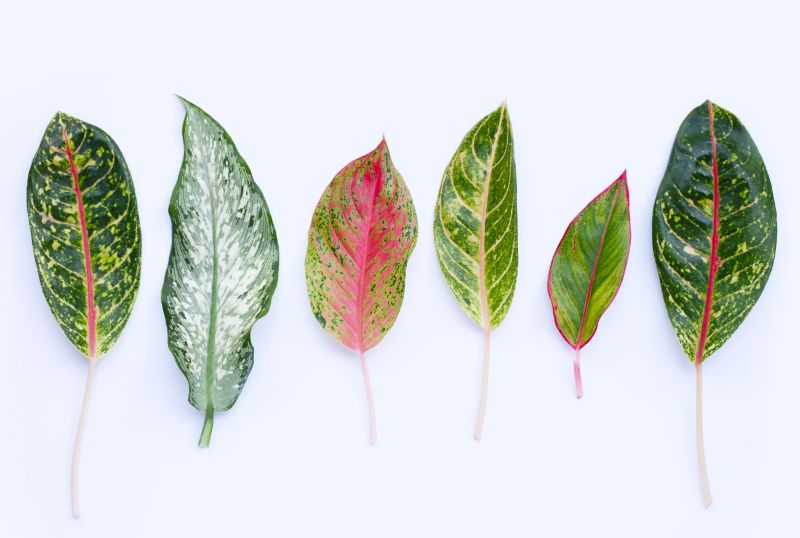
91	314
364	251
594	268
713	262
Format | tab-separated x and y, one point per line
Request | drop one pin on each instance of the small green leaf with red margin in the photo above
588	267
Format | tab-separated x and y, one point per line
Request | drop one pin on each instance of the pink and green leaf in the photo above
361	237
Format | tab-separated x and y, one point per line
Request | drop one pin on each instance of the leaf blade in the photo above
475	222
714	229
589	264
85	232
223	266
361	237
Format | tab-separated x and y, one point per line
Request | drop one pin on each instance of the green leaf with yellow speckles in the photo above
714	236
84	226
588	267
223	267
475	228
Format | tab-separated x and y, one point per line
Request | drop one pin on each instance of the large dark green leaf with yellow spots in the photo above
86	239
714	229
85	229
714	232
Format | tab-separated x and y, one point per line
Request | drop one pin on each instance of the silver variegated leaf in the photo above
223	267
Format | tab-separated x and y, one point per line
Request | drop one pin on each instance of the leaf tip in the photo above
60	117
188	105
710	105
382	147
623	180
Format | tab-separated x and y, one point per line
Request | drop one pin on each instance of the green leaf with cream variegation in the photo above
362	234
84	225
588	267
223	267
714	234
475	227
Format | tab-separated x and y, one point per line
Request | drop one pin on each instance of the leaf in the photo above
362	234
714	235
86	240
85	229
475	228
223	267
588	267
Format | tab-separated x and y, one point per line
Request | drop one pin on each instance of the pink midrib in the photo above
91	314
364	251
713	262
593	274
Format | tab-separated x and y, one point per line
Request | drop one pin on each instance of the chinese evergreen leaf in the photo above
475	227
223	267
588	267
86	240
85	229
714	235
362	234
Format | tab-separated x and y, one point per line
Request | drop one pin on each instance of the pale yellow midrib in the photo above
486	322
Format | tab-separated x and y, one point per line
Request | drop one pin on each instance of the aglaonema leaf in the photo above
588	267
223	267
362	234
475	229
714	236
84	225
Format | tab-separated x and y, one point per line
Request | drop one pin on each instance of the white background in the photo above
304	88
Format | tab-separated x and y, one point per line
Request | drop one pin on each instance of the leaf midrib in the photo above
364	250
593	274
486	321
212	320
91	314
713	263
